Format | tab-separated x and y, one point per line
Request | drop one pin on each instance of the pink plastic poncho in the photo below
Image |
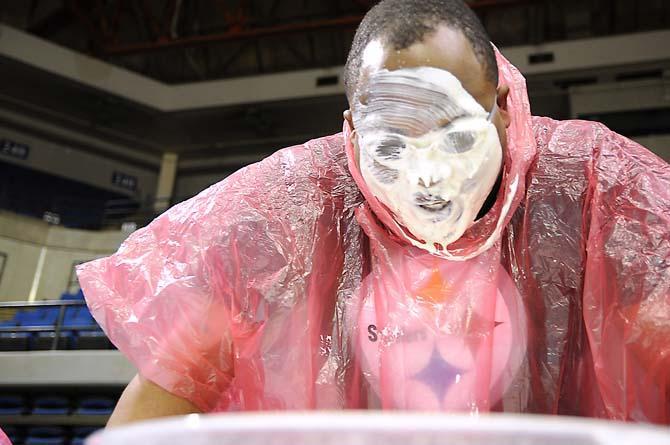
4	440
283	287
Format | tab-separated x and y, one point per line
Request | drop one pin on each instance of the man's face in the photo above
428	138
447	49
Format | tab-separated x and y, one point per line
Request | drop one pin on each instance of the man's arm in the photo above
626	304
143	399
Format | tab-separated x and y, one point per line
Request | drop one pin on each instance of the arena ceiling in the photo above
178	41
183	41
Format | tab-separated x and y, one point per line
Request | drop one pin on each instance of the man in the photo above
447	252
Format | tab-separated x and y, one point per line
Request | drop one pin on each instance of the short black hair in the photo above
401	23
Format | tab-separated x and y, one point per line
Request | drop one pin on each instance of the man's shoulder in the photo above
291	175
321	154
570	138
580	138
540	122
586	148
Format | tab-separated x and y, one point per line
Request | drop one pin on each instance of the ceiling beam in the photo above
621	52
234	35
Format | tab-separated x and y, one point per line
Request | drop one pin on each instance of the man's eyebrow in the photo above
447	121
419	105
412	116
421	93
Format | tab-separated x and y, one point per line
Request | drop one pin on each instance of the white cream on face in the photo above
428	152
373	55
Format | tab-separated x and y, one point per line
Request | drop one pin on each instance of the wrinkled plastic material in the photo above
280	288
4	440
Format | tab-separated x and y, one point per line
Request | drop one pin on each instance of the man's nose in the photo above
428	181
428	173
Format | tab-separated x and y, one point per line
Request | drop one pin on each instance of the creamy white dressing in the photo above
428	152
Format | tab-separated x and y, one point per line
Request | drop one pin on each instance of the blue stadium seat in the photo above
82	316
23	314
89	339
47	317
76	296
72	317
9	323
22	341
45	435
51	405
43	317
12	404
92	406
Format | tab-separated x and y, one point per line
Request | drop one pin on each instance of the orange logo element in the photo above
435	289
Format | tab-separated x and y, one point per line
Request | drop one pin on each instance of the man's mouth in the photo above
436	206
432	203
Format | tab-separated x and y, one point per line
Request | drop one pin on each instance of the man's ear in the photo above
349	118
354	139
501	100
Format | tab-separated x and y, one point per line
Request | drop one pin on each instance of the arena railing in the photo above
56	327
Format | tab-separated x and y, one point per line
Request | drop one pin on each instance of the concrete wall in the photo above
659	144
190	185
612	97
59	159
593	53
39	258
648	94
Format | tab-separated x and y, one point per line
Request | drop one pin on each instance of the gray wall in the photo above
39	258
59	159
